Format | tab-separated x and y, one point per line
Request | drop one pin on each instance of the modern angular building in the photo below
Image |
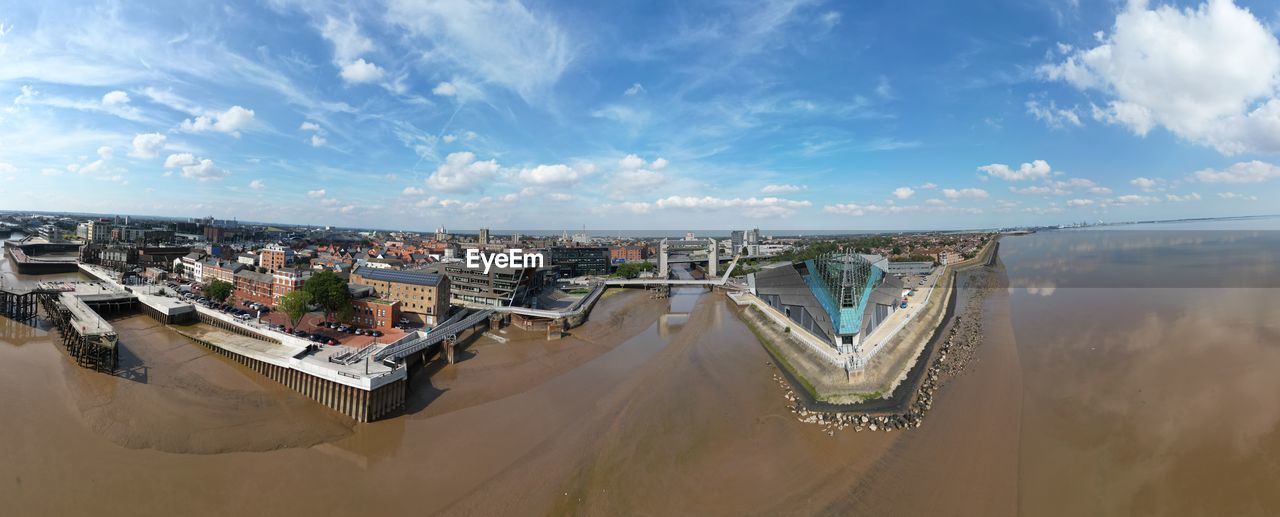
839	297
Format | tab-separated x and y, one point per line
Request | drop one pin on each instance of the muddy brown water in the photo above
1107	384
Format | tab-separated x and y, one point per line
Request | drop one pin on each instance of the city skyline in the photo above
787	114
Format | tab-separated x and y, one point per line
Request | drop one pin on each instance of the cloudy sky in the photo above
781	114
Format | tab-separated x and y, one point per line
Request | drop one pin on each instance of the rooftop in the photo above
399	276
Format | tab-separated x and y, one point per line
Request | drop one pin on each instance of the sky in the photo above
674	115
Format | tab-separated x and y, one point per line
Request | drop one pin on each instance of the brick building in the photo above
253	286
423	297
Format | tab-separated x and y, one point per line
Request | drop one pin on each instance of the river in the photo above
1122	372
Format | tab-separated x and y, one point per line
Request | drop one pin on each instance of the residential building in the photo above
377	313
98	231
253	286
285	281
629	253
275	257
248	259
221	270
423	296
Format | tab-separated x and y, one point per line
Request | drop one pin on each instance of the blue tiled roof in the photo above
399	276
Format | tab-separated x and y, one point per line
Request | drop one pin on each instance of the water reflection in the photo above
1148	367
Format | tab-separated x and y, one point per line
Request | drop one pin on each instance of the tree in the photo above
178	269
218	291
633	269
295	305
329	291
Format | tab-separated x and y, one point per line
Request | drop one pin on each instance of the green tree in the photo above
633	269
329	291
218	291
178	269
295	305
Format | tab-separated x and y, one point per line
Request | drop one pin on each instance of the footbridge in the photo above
450	329
723	281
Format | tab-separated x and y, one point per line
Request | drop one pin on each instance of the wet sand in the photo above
1080	401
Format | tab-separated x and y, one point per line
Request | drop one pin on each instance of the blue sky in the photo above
784	114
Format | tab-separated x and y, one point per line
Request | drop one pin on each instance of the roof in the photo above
399	276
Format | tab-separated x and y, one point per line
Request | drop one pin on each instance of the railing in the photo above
454	325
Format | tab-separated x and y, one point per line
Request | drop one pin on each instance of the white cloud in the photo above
257	185
903	192
969	193
229	122
203	170
635	89
1079	202
1233	195
449	139
556	174
1176	198
309	126
461	172
147	145
318	141
634	173
1037	169
445	89
751	207
1133	199
115	98
1052	115
935	202
412	191
1209	75
348	43
928	186
560	197
782	189
1242	172
1146	184
316	194
105	152
179	160
361	71
501	43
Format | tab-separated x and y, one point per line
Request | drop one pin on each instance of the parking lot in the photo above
312	326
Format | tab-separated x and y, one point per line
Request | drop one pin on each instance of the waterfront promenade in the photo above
365	390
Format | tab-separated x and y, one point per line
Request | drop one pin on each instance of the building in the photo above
215	269
910	268
629	253
253	286
376	313
275	257
192	266
285	281
949	257
840	298
98	231
247	259
423	296
501	287
484	236
580	261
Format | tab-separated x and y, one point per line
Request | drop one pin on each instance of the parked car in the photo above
375	333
